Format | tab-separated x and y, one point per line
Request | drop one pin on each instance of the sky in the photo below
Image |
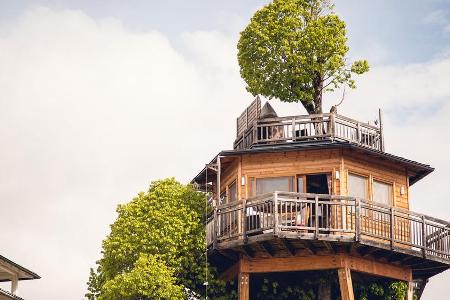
99	98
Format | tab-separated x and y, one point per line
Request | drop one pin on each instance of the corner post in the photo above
345	284
275	213
244	220
332	126
358	133
424	237
316	217
357	219
392	227
380	118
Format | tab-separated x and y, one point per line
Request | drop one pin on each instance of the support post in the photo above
392	227
243	286
316	217
380	117
275	213
424	237
244	220
410	291
345	284
14	284
357	219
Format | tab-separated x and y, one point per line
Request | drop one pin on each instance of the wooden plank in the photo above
345	284
244	286
230	273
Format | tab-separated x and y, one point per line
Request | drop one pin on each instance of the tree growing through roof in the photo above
294	50
156	248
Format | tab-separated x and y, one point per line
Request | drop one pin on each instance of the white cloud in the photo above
91	112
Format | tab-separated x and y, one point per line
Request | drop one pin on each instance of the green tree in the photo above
156	247
294	50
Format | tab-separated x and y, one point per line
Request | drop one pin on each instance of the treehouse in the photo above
318	192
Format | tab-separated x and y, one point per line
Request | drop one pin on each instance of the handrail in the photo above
322	216
305	127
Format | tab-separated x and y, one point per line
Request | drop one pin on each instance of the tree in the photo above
156	247
294	50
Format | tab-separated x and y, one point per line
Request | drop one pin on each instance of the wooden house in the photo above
318	192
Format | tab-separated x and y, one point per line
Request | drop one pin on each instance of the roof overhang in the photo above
416	170
9	268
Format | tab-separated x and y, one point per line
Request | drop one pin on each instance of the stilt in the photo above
410	291
345	283
243	286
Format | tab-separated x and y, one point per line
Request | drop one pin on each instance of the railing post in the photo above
244	220
215	228
392	227
275	213
357	219
380	116
294	137
316	221
332	125
424	237
358	132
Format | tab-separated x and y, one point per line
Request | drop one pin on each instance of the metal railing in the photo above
308	127
330	217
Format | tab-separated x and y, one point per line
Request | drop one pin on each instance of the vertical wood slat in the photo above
357	219
244	220
424	237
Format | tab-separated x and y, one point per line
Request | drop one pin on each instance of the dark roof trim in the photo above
23	269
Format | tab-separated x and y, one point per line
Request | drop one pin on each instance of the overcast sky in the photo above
99	98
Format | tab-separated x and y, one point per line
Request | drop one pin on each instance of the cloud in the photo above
438	17
91	112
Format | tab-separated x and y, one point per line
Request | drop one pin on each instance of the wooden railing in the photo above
328	217
308	127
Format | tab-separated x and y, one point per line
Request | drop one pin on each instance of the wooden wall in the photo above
294	163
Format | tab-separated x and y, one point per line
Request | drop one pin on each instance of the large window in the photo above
382	192
357	186
269	185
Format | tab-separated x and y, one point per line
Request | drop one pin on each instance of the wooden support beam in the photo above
268	248
345	283
229	254
244	286
325	262
288	247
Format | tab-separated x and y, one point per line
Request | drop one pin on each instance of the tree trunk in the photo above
324	292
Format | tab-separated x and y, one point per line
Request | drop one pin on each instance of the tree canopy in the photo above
294	50
156	247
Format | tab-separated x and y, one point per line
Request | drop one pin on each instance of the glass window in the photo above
300	188
357	186
232	191
382	192
223	198
269	185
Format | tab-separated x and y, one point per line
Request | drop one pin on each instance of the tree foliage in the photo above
294	50
156	247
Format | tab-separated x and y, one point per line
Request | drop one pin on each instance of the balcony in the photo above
264	131
279	222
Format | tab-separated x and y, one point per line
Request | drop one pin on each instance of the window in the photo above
232	192
382	192
357	186
269	185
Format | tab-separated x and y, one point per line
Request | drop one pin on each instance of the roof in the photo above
23	273
5	294
418	170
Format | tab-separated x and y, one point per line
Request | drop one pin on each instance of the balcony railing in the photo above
310	127
328	217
